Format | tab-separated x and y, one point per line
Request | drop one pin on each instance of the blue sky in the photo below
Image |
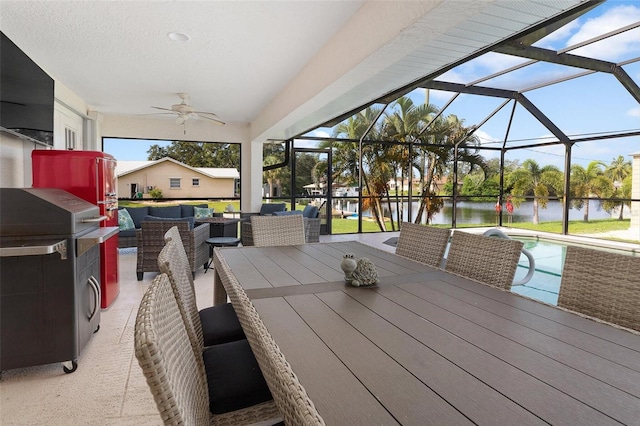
130	149
586	105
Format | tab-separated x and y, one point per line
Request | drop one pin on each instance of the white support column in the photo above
251	197
635	194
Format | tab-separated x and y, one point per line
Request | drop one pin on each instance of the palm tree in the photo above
404	125
618	171
584	184
445	131
531	179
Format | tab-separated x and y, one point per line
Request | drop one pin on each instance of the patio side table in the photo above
219	242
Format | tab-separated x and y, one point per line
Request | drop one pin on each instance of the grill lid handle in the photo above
94	219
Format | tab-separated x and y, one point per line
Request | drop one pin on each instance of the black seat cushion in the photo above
220	325
233	377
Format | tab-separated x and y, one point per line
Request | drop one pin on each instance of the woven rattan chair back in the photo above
603	285
489	260
290	397
424	244
174	234
174	374
170	262
277	230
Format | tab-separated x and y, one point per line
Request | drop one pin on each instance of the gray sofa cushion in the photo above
310	212
291	213
127	233
167	211
269	209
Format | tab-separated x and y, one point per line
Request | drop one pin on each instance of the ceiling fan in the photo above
184	111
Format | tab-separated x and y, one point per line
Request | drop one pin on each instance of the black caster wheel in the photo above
74	367
97	329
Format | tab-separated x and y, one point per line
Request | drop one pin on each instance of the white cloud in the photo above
319	133
613	48
634	112
486	138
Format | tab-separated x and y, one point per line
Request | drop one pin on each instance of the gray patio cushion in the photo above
269	209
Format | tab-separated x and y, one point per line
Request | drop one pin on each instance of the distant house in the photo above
175	179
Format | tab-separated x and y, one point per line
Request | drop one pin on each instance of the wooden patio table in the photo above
428	347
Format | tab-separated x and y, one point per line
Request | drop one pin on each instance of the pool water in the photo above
545	283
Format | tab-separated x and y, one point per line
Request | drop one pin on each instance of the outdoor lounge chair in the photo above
311	218
488	260
151	241
602	285
424	244
277	230
221	386
209	326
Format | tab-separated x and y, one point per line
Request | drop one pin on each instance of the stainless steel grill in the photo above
49	276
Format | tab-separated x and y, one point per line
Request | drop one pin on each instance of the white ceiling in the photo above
283	66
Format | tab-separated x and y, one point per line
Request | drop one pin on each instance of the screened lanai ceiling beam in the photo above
501	93
537	53
542	31
543	119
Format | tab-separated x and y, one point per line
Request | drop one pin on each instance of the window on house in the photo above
195	182
174	183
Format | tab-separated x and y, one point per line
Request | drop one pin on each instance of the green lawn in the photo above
350	226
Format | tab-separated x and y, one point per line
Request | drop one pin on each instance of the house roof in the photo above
124	168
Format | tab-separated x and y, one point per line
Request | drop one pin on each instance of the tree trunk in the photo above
585	217
426	189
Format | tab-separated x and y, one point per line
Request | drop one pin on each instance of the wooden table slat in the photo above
597	394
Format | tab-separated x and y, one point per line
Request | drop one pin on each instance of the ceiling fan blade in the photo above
216	120
157	113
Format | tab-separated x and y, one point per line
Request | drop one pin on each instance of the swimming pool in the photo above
549	259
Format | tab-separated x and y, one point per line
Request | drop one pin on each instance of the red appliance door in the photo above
107	190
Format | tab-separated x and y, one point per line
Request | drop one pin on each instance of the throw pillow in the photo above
200	212
125	221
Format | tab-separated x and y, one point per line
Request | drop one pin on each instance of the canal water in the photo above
479	212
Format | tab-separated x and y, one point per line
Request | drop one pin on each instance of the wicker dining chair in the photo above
421	243
489	260
277	230
209	326
603	285
288	393
224	386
